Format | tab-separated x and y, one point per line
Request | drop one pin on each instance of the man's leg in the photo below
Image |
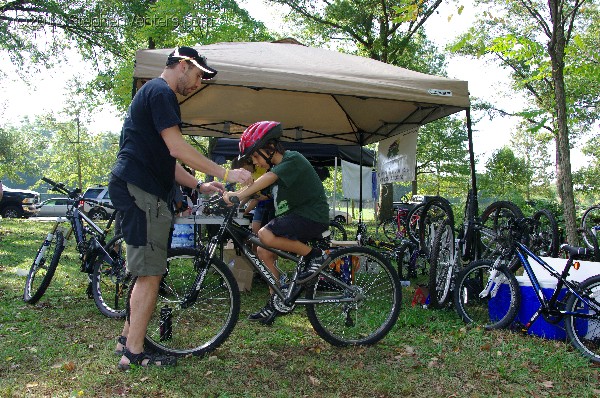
142	303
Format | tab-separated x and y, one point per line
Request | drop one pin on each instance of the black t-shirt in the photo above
144	159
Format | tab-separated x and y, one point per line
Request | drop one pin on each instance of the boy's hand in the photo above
228	195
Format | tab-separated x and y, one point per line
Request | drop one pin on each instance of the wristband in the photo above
226	174
198	185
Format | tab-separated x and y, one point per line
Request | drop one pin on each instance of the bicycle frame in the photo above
549	306
240	235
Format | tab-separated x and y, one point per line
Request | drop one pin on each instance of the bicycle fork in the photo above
494	281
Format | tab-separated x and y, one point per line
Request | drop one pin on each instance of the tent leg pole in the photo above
471	153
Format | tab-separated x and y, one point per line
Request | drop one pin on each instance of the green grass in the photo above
63	347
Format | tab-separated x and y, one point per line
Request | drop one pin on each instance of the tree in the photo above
587	179
442	159
540	43
507	176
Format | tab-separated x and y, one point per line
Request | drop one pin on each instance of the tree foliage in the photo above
62	151
381	30
442	158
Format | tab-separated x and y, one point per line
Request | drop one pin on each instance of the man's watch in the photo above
198	185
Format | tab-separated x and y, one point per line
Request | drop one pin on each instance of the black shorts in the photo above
295	227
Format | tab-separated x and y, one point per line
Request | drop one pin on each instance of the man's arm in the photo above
182	177
186	153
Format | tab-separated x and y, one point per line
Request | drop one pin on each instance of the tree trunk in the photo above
556	50
386	202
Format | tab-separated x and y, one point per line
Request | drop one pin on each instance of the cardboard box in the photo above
241	268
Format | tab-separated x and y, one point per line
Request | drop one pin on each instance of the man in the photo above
143	183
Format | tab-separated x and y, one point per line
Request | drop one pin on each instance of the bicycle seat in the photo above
577	252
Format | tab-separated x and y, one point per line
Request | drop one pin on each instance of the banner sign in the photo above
397	158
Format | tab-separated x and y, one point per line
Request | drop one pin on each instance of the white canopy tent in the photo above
319	96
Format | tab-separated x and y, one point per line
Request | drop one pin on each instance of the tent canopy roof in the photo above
320	96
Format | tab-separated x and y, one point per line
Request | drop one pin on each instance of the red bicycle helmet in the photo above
257	135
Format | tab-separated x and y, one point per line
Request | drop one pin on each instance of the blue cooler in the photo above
529	305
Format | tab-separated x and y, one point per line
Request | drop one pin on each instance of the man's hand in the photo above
211	187
241	176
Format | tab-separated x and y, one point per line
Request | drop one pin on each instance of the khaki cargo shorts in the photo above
150	215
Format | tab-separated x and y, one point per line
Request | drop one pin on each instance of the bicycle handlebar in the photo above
74	194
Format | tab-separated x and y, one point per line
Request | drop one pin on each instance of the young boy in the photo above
301	208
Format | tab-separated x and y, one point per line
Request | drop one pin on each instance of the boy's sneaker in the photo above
312	267
264	313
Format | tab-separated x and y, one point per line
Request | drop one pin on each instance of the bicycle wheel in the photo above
435	212
412	223
487	296
591	221
496	217
338	232
544	237
390	228
110	279
442	266
43	267
584	333
403	260
179	327
375	289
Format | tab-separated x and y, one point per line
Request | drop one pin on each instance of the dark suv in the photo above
18	203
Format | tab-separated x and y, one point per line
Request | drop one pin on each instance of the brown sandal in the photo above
153	360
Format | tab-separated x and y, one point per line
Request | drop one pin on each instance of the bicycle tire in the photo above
200	327
390	228
499	307
411	223
583	333
403	260
442	266
495	217
467	235
43	267
435	212
544	238
338	232
591	221
110	282
370	319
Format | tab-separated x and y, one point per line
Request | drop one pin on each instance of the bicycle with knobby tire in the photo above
488	294
451	250
590	221
354	298
103	259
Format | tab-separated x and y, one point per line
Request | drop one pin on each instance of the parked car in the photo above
97	211
55	207
340	216
17	203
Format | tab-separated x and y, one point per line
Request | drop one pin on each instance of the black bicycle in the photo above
102	260
481	284
353	300
451	250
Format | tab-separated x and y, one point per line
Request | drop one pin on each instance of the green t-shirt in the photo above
298	189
